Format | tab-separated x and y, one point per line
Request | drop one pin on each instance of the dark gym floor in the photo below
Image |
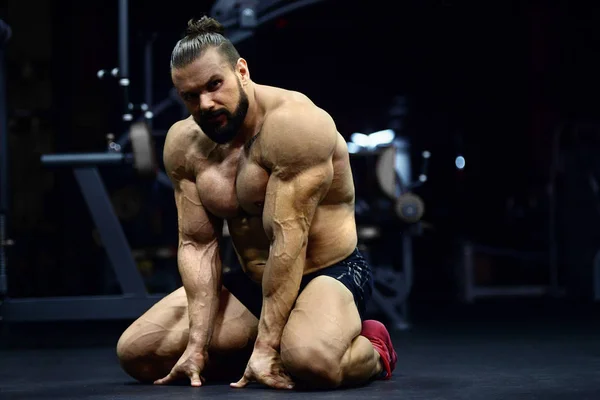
505	351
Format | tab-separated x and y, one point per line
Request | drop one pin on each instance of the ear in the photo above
243	71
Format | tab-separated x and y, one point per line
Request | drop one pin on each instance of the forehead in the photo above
210	63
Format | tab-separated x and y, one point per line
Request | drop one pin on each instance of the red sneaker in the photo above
379	336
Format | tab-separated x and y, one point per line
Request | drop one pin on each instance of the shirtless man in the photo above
272	165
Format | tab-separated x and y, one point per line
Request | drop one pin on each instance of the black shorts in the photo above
353	271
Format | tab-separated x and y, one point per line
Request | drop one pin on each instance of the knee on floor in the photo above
312	365
141	362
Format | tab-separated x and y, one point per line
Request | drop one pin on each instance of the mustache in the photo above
214	114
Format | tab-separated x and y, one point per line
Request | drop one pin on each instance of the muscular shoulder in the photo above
181	138
296	135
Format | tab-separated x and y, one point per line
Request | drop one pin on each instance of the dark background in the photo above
495	82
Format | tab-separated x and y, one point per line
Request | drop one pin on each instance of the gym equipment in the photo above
134	299
393	286
143	157
408	206
132	112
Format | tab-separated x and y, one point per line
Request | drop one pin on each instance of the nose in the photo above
206	102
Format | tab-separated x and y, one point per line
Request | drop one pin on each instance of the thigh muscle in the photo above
324	316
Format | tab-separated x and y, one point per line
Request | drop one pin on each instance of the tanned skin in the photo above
284	186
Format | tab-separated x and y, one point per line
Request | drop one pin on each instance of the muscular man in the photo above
272	165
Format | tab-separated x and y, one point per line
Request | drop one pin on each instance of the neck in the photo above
253	120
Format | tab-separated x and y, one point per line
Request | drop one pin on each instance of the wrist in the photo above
198	351
197	339
266	343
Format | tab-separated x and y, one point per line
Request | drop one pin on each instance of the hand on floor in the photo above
190	365
265	367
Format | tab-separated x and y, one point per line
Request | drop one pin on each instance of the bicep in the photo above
299	150
194	222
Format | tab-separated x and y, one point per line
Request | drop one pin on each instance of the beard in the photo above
222	133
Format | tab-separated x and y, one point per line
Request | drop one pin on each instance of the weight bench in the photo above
135	299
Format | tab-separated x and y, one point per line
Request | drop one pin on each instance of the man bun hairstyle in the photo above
202	34
204	25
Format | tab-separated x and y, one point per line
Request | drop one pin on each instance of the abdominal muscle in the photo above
332	238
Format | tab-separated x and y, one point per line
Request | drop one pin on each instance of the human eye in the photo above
189	96
214	84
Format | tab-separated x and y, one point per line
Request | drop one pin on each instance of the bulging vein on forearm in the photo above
289	236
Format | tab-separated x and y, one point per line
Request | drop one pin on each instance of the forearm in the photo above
200	270
281	282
